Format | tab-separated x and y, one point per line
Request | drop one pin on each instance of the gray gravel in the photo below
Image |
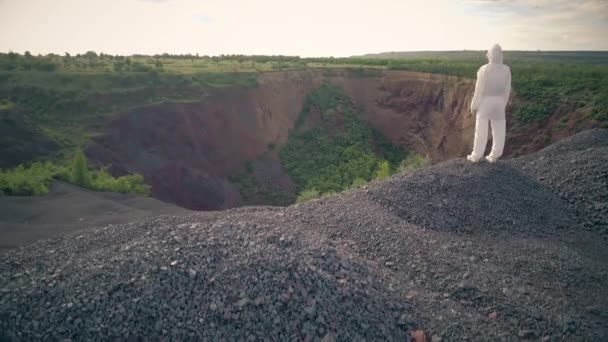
461	197
576	169
496	263
238	275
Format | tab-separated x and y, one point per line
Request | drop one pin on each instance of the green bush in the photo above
102	181
80	173
36	178
414	161
329	194
358	182
307	195
32	180
383	170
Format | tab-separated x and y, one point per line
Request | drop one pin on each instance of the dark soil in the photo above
465	252
68	208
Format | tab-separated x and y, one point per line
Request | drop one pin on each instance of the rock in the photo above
328	338
526	333
243	302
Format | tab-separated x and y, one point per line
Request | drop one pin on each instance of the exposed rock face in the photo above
187	151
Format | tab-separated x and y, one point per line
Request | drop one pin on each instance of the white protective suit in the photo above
492	91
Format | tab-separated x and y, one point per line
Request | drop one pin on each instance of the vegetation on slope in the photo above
36	178
337	150
65	99
254	191
65	96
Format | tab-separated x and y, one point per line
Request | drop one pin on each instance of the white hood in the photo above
495	54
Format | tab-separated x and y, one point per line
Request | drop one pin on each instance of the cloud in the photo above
577	24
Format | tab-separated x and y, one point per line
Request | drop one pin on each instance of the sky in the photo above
305	28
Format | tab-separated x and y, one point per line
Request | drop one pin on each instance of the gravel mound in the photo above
466	252
479	286
197	277
460	196
576	169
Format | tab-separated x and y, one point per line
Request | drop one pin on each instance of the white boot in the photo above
491	158
473	158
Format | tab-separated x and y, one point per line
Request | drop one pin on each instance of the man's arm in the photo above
508	90
478	89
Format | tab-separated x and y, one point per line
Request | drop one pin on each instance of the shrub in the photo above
307	195
383	170
80	172
358	182
102	181
36	178
24	181
329	194
414	161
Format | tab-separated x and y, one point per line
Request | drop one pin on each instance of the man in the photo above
492	91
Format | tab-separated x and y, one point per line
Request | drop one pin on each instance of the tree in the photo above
80	172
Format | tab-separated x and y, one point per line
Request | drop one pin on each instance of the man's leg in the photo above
481	139
499	128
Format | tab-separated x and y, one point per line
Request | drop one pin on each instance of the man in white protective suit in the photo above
492	91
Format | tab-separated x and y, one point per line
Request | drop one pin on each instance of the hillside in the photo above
462	251
208	132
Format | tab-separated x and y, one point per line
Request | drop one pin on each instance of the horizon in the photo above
307	57
315	29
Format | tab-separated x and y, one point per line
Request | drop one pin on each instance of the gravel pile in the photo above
576	169
475	252
460	196
240	276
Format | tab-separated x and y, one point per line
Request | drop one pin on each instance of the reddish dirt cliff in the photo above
188	151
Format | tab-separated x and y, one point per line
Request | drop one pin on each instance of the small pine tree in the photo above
80	172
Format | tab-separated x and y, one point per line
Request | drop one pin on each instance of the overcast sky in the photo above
305	28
